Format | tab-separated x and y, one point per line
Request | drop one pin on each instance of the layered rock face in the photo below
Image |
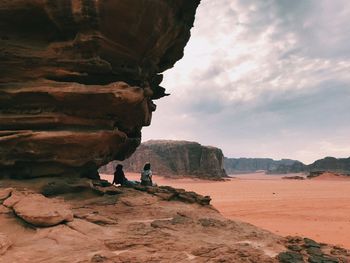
77	79
175	158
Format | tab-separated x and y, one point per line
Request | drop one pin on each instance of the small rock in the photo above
295	248
5	243
311	243
98	258
294	239
211	222
322	259
290	257
203	200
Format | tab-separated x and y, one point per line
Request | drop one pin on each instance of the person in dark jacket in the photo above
119	176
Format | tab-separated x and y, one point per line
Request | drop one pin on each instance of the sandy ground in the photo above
318	209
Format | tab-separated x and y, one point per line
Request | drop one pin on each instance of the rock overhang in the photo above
77	79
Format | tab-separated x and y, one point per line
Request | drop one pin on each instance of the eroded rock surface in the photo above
138	225
5	243
175	158
77	79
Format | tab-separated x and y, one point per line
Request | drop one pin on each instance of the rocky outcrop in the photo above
141	225
246	165
308	250
77	79
170	194
175	158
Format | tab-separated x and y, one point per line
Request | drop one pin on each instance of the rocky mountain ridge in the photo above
285	166
331	164
247	165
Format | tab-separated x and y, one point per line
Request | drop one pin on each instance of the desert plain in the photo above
318	208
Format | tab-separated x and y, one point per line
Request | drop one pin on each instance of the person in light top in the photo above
146	175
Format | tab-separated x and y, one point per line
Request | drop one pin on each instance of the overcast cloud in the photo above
263	79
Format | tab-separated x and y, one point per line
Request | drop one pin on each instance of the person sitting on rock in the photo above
146	175
119	177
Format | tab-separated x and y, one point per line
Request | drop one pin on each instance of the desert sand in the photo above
316	208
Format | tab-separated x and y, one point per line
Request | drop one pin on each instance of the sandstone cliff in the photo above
77	79
175	158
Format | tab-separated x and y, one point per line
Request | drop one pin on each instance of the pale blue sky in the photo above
262	79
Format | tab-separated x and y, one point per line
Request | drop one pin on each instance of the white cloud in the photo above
257	76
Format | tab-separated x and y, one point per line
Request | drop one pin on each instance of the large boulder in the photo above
38	210
77	79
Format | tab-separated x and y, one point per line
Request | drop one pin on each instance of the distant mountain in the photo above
247	165
331	164
175	158
284	166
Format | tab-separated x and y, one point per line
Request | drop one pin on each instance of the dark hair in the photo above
147	166
119	167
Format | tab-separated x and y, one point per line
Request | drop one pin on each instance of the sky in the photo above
262	78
